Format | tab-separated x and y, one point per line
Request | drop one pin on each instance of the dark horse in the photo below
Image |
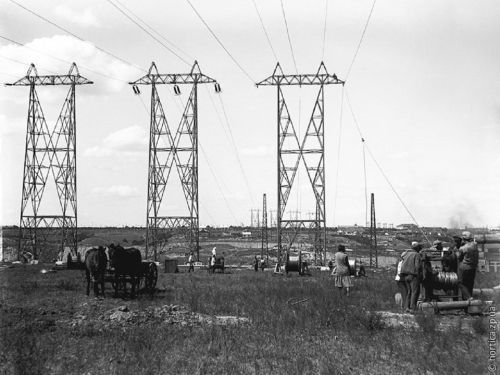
125	263
95	267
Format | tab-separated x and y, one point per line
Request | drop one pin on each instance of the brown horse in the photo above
95	267
125	263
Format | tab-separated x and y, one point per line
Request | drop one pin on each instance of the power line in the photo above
64	61
222	45
22	63
75	36
289	40
161	36
265	31
147	32
361	40
324	32
338	157
380	169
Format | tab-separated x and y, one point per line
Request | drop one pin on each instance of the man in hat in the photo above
411	272
427	273
449	258
468	257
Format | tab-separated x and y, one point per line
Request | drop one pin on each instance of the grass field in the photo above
288	325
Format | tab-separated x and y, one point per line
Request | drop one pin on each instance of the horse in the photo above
125	262
95	266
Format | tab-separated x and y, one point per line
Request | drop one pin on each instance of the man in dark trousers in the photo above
411	272
468	256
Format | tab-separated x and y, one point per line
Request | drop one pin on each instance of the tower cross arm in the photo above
51	80
173	79
301	80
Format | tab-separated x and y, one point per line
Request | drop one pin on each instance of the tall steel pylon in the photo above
166	149
264	235
310	150
49	152
373	237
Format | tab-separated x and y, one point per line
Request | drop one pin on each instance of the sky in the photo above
422	89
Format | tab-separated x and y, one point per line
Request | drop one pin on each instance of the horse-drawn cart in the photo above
146	280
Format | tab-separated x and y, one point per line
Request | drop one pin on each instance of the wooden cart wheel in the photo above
151	277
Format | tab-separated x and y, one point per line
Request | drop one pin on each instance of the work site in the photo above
249	187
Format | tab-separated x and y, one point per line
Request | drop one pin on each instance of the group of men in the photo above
415	269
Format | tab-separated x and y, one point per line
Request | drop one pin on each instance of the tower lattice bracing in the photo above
50	155
167	148
373	237
310	151
264	235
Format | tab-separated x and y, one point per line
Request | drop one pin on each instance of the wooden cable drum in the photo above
293	262
352	266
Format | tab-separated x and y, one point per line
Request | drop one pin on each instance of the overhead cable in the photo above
76	36
289	40
156	32
265	31
218	40
64	61
147	32
380	169
361	40
324	32
22	63
338	157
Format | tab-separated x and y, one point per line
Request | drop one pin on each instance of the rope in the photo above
289	40
265	31
222	45
359	45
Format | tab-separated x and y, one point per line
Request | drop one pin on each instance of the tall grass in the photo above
297	325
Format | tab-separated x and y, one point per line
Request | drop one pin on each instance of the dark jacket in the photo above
468	256
412	264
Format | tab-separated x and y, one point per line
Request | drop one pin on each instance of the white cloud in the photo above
125	142
123	191
84	18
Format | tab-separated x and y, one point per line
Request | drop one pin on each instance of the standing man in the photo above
343	275
468	257
191	263
411	271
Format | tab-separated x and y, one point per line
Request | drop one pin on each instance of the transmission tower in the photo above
165	149
310	150
265	241
373	237
49	152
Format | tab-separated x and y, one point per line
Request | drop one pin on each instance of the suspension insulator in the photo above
217	88
136	90
177	90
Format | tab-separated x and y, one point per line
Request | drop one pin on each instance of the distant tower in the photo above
47	231
373	237
166	149
265	241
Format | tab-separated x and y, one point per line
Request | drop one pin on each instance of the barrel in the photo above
171	265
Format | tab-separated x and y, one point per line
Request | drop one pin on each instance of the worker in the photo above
343	270
214	252
449	258
468	257
401	284
411	271
427	273
256	264
191	263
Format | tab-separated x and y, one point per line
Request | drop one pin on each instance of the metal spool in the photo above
293	262
445	281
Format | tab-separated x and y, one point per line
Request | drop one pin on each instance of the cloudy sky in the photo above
423	90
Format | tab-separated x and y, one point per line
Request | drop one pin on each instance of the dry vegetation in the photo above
291	325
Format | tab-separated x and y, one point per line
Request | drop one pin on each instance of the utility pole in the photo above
265	242
310	151
49	152
373	237
165	149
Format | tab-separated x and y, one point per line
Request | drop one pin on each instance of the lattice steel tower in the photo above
373	237
49	152
310	150
165	149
